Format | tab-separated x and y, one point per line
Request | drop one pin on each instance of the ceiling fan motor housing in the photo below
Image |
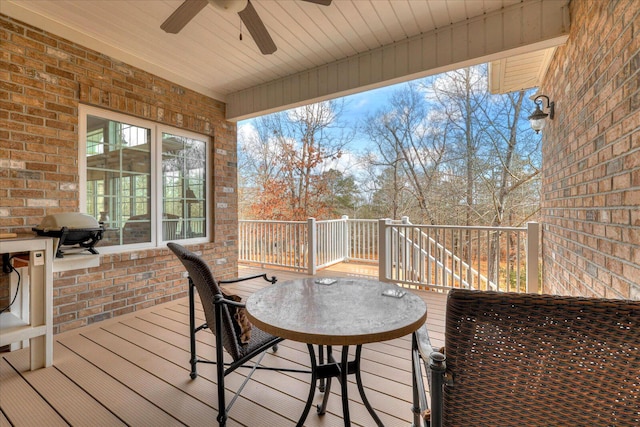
234	6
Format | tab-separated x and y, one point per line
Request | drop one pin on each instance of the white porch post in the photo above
404	257
311	241
533	247
346	242
384	259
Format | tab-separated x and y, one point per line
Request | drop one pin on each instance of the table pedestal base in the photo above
323	373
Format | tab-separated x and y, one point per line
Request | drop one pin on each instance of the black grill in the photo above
71	229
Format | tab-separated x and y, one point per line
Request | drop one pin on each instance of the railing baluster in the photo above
497	260
489	261
430	255
478	255
508	260
463	282
445	256
519	244
436	259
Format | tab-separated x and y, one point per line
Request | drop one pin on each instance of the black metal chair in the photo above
217	310
536	360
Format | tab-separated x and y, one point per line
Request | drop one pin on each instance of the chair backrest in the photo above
540	360
202	277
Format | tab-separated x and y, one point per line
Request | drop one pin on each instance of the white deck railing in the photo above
278	243
286	243
427	256
486	258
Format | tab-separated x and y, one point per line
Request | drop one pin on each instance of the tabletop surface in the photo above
348	311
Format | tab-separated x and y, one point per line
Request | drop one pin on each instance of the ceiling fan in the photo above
190	8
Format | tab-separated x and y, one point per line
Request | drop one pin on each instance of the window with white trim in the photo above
146	182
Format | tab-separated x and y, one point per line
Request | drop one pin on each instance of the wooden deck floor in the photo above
133	370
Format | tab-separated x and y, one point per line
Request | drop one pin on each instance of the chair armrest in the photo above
425	349
424	343
435	368
421	348
220	299
272	280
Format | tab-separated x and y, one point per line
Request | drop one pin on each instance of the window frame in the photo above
156	184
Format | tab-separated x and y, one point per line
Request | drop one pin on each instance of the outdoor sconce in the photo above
538	118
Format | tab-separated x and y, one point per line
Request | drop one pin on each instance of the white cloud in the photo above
247	131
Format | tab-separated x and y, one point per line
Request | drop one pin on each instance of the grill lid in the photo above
71	220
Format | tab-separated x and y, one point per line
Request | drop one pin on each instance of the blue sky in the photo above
366	103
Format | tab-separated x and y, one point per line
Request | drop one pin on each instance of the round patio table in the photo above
336	311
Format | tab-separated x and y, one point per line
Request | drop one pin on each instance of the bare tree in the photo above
515	157
408	146
459	96
293	153
259	168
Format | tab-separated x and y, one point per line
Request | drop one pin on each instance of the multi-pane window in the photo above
183	187
146	183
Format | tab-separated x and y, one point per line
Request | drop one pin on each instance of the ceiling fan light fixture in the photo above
234	6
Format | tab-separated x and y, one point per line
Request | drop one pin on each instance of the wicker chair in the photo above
219	320
532	360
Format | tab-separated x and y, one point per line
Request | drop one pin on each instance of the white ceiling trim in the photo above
518	29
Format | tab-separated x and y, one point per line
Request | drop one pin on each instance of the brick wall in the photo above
43	78
591	155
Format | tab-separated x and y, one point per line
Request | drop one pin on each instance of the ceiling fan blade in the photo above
257	29
182	15
320	2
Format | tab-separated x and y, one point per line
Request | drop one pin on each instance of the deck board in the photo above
15	392
133	370
102	375
65	396
4	422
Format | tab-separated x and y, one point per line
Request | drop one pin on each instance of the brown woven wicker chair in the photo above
533	360
219	321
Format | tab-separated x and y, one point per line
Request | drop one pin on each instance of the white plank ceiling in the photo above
209	57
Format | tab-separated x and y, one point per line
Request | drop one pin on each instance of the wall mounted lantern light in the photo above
538	118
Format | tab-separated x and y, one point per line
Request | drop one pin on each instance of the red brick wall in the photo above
43	79
591	155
